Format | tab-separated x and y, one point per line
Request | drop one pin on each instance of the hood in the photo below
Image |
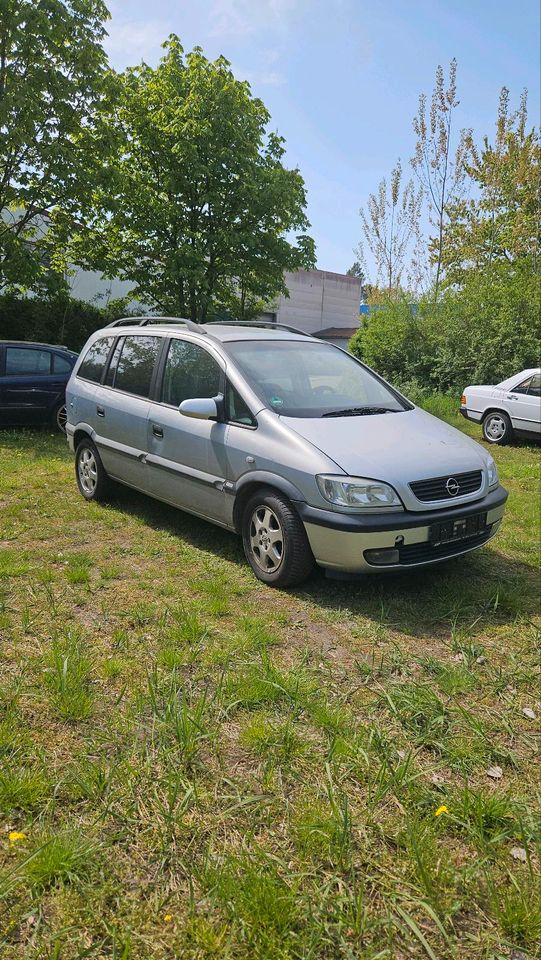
398	448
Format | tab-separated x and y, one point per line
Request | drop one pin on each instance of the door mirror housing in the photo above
200	408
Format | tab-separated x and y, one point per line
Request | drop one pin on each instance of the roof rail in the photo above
145	321
267	324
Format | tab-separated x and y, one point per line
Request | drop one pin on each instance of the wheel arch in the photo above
80	433
262	480
493	409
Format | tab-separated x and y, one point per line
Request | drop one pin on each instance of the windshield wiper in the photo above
358	411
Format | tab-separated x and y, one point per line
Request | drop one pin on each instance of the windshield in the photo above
311	379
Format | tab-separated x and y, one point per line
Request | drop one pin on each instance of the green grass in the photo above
202	767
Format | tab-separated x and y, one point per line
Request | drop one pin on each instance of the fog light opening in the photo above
382	558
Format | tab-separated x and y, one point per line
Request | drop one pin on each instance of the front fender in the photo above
260	478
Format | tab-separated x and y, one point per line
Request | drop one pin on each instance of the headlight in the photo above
357	492
492	470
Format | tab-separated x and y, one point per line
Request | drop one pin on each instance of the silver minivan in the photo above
287	440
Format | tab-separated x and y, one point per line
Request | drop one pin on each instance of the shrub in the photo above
60	320
482	333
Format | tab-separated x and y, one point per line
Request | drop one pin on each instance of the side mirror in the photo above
204	408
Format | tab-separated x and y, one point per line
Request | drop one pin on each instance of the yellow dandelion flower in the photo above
440	810
15	835
168	918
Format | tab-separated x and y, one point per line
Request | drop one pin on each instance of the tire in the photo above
275	541
59	417
497	427
92	480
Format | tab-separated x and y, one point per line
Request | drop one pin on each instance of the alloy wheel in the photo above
496	428
61	418
88	471
266	539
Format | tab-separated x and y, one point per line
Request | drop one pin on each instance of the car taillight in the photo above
463	400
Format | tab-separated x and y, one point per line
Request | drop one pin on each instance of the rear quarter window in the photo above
94	360
61	364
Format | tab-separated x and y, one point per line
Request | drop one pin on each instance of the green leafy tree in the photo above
51	72
195	206
499	226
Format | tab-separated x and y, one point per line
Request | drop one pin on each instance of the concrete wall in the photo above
318	299
92	287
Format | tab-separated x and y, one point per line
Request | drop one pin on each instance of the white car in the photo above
511	407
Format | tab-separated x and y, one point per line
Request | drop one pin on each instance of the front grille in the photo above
438	488
425	552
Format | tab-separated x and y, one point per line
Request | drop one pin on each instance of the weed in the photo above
62	858
67	671
22	788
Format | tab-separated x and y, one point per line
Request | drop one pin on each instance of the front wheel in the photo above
497	427
275	541
92	480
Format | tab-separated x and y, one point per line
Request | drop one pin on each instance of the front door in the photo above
186	457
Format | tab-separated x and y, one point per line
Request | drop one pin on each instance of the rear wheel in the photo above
59	418
275	541
92	480
497	427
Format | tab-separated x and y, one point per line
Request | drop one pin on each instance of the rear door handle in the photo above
100	411
157	431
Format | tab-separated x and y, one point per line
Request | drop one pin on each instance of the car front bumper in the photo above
340	541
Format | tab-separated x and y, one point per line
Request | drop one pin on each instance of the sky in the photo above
341	79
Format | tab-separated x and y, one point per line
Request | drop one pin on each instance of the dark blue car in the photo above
33	378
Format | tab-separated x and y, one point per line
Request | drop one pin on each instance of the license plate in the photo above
451	530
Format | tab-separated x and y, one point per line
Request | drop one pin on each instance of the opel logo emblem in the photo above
452	487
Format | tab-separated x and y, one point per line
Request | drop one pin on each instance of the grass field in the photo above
193	765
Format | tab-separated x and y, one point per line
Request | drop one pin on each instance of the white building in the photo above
320	302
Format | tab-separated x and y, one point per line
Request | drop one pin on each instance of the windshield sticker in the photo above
277	401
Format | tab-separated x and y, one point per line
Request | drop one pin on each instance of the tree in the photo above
389	222
51	73
357	270
499	226
440	173
195	206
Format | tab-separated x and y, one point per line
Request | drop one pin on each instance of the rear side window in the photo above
190	373
95	359
60	364
136	365
523	387
27	361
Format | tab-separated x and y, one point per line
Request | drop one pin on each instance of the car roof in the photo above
224	332
35	343
228	332
521	375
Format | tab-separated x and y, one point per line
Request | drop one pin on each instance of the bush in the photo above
63	320
481	334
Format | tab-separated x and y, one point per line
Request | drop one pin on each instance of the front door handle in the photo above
100	411
157	431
